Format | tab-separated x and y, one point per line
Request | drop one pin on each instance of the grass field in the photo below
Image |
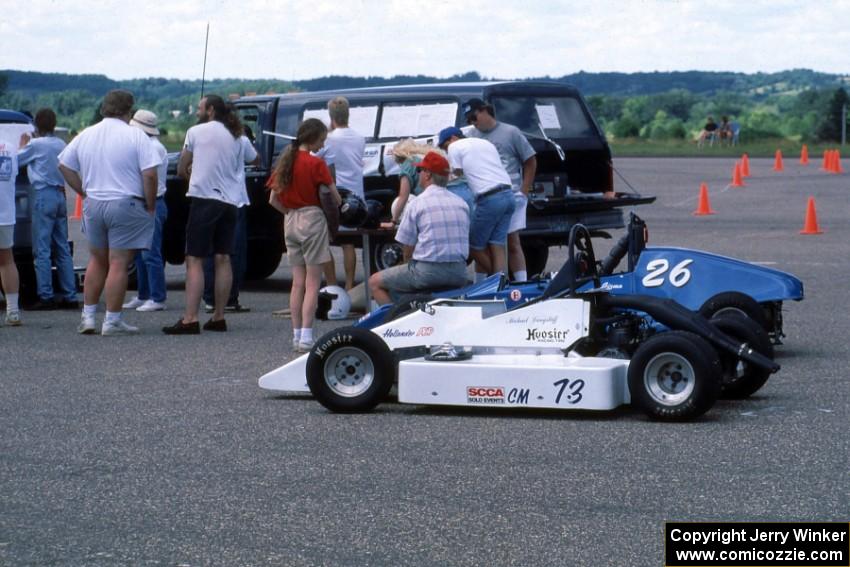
637	147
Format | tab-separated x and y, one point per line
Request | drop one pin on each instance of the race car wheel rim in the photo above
349	372
669	378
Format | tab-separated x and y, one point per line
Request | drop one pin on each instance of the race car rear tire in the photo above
740	378
674	376
734	302
350	370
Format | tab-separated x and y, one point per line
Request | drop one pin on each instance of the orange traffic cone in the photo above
777	163
836	162
830	161
825	164
736	176
804	155
78	209
703	207
811	224
745	165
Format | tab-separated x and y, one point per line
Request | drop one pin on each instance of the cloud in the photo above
498	38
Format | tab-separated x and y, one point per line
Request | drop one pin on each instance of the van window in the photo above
414	119
560	117
361	119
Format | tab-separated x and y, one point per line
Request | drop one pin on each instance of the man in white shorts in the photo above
520	162
343	152
113	167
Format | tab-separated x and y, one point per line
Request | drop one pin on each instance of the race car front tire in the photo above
350	370
674	376
740	378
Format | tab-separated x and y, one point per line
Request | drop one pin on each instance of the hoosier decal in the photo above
547	335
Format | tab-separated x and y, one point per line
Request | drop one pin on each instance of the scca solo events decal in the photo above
496	395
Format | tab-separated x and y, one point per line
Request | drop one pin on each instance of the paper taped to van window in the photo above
410	121
371	159
548	116
362	119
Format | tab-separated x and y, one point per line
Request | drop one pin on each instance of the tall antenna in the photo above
204	72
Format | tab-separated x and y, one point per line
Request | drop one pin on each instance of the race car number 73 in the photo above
678	276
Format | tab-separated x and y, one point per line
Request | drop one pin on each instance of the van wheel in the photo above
674	376
350	370
385	255
263	258
734	302
740	378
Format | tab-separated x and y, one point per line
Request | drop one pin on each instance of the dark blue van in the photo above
574	164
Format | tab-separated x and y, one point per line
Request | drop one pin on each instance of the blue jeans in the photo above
491	219
149	266
238	262
50	232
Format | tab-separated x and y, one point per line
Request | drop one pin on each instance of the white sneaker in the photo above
87	325
151	305
119	327
13	318
134	303
305	346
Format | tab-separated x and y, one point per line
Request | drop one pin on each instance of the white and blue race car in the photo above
570	348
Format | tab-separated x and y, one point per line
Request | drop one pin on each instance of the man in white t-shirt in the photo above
479	161
113	167
212	159
343	152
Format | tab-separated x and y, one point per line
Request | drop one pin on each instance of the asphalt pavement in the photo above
158	450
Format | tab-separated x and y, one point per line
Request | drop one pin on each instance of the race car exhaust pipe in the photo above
671	314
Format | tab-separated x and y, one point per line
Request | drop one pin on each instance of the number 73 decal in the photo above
658	269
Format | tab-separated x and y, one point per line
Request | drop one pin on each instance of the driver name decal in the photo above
398	333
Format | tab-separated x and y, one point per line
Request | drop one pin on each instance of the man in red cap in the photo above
434	234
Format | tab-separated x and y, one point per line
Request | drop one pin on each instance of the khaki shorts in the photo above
305	232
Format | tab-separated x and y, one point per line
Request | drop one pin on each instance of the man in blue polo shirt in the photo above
49	213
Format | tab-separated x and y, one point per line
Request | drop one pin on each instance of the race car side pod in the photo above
671	314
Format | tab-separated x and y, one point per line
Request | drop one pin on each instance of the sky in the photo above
294	40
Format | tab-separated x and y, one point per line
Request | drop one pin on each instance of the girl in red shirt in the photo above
295	186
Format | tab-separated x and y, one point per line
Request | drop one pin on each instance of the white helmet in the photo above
334	303
396	210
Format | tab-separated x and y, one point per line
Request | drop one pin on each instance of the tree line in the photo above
800	104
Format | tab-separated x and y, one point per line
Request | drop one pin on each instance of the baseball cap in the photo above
447	133
146	121
435	163
472	105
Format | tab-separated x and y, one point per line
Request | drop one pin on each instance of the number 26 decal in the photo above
679	275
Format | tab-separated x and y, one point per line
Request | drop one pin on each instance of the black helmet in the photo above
352	211
373	213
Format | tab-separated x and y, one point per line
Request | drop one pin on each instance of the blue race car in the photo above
701	281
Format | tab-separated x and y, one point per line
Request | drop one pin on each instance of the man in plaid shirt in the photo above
434	234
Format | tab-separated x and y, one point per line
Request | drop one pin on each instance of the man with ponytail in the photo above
212	160
295	185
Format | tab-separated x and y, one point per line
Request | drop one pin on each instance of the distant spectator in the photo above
8	271
708	130
406	154
49	214
725	129
150	270
113	166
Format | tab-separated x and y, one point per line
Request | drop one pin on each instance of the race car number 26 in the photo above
569	390
678	276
